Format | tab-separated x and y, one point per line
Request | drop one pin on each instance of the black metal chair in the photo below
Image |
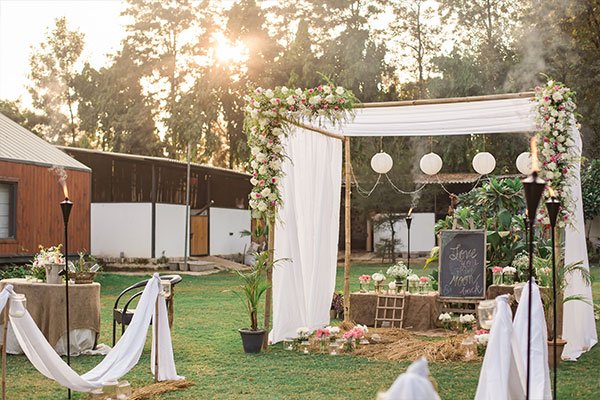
124	315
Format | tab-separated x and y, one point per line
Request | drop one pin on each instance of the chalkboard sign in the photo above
462	264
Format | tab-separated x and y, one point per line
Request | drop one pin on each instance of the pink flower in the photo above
364	278
310	91
322	333
482	332
273	203
261	182
273	180
424	279
496	270
320	88
258	195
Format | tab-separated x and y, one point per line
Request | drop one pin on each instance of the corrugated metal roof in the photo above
17	144
149	158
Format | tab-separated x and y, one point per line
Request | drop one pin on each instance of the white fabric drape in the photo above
413	384
306	233
579	326
120	360
475	117
539	385
502	373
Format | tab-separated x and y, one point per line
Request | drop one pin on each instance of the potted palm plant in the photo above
253	286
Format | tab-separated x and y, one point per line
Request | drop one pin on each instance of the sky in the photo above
23	24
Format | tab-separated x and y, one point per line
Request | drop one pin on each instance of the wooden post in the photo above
156	341
347	247
5	332
269	292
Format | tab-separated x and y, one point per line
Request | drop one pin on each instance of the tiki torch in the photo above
533	186
408	223
66	205
553	205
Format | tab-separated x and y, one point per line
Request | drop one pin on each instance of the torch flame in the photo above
534	155
552	193
65	190
410	211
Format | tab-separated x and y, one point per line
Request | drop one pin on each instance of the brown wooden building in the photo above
30	194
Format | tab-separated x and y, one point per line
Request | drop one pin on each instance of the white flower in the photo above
466	319
290	100
482	339
398	271
275	165
315	100
303	332
284	90
275	101
273	196
262	206
260	157
339	90
392	285
277	131
509	270
333	330
413	277
253	181
277	148
445	317
378	277
298	92
327	89
557	96
262	169
269	93
265	192
330	98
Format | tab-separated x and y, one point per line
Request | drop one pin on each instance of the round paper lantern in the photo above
382	163
431	164
524	163
484	163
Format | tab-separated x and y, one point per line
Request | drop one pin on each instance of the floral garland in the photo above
555	114
265	115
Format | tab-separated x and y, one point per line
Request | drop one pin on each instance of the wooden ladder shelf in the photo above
390	308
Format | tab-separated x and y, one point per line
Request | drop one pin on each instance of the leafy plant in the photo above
14	271
254	285
84	264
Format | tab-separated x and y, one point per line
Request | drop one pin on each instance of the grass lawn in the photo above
208	351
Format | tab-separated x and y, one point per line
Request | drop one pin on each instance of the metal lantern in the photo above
484	163
524	163
431	164
382	163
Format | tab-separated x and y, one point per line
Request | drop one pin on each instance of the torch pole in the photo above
553	205
67	295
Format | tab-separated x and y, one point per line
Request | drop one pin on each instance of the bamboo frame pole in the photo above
315	129
156	341
269	292
449	100
5	331
347	230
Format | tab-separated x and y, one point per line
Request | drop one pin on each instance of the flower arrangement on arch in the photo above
265	113
555	118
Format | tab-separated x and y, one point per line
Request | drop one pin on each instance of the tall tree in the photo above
113	112
36	123
416	30
53	68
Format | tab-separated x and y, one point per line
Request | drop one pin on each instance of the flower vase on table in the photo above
423	284
413	283
497	275
508	275
378	279
364	281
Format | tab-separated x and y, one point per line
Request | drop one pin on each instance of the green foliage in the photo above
53	69
24	117
254	285
14	271
590	188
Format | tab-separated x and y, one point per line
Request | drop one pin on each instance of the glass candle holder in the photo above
288	344
18	305
413	286
422	287
165	288
109	388
123	390
485	313
304	346
469	346
333	348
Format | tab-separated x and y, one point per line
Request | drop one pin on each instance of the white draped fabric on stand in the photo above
502	373
306	233
120	360
539	385
579	325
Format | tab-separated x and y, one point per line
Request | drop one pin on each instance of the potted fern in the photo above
253	286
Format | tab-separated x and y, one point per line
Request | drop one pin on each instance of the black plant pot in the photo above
252	340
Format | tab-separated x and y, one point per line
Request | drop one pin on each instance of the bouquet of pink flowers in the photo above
497	270
322	333
364	279
424	279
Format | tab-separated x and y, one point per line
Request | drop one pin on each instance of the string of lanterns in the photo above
431	163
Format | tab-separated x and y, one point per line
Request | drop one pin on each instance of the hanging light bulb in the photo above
524	163
431	163
382	163
484	163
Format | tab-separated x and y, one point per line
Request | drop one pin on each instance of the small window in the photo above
8	211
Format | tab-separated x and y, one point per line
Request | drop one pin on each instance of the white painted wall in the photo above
121	227
225	227
170	230
422	237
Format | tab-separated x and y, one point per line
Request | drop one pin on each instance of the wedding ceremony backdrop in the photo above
296	137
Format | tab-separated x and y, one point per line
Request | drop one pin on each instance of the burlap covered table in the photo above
46	304
421	311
